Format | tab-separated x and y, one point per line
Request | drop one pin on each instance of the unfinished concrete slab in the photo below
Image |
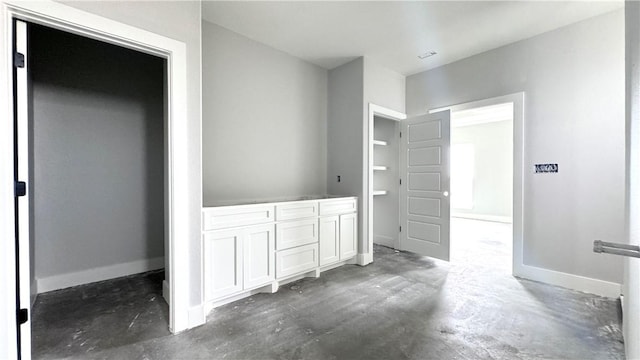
402	306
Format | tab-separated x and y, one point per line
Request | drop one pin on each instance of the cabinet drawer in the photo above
296	233
221	218
337	207
300	210
297	260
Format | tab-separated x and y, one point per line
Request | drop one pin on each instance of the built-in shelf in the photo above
379	168
379	142
379	192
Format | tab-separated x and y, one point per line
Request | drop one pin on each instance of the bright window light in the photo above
462	172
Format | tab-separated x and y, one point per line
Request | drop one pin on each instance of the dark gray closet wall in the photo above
97	135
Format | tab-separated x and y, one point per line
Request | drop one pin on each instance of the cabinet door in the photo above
222	263
348	236
329	240
259	264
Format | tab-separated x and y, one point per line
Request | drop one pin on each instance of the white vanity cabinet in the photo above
223	263
258	256
238	259
329	240
296	245
338	231
348	236
258	247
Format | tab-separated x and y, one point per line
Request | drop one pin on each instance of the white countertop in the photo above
273	200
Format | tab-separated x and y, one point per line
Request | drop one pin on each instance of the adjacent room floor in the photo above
400	307
482	243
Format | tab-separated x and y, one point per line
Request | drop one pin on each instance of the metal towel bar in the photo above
600	246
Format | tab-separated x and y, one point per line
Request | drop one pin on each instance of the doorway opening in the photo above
96	125
482	186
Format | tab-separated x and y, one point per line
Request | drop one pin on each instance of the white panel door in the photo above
329	240
22	174
424	193
348	236
222	263
259	256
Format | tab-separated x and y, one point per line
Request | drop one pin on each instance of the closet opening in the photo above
482	187
97	116
386	183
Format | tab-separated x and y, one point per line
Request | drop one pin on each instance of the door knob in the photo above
446	193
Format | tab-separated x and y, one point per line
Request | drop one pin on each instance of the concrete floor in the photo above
400	307
482	243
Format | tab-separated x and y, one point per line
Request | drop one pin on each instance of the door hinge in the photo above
23	316
400	181
20	188
18	60
400	228
400	133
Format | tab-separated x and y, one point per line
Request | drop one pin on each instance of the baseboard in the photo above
570	281
62	281
364	259
165	292
384	240
196	316
337	265
494	218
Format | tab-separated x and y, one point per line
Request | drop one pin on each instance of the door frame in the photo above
518	100
177	191
365	255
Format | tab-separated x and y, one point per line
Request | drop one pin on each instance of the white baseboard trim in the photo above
570	281
364	259
165	292
337	265
494	218
196	316
384	240
62	281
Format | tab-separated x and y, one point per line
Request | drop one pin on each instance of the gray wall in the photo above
573	79
352	87
97	153
179	20
264	124
493	167
344	129
383	87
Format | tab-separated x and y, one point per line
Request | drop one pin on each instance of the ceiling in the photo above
394	33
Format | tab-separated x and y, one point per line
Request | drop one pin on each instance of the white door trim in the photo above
69	19
365	255
517	99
